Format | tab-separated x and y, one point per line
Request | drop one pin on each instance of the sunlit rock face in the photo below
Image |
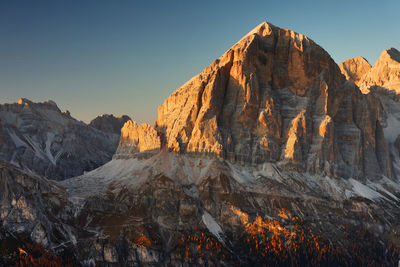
234	107
385	73
276	96
41	139
136	139
353	69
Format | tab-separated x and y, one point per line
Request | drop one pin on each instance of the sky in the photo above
126	57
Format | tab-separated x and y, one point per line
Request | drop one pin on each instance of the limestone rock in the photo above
354	68
382	83
34	205
109	124
276	96
384	74
136	139
39	138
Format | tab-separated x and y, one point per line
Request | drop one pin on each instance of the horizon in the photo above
126	58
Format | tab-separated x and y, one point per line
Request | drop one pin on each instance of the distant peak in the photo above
262	29
362	59
123	117
354	68
109	123
359	60
50	102
24	101
393	53
104	115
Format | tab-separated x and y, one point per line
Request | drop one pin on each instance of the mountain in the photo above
268	146
41	139
385	73
355	68
382	82
268	157
109	124
276	96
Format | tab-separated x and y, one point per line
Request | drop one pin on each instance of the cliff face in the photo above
276	96
382	84
137	139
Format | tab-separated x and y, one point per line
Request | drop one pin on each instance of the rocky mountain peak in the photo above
47	104
109	123
275	96
24	101
50	102
385	73
393	53
353	69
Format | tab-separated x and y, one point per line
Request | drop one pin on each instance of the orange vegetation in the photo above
22	252
284	214
200	245
35	255
143	241
268	242
19	251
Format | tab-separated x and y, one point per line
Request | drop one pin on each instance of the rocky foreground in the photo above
269	156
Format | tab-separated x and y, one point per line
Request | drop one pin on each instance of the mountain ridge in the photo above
41	139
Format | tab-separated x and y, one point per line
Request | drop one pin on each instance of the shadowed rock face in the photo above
34	205
353	69
276	96
39	138
382	83
109	124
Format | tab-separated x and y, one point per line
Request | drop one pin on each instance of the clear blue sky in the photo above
126	57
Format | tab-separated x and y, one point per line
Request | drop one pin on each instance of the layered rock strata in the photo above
276	96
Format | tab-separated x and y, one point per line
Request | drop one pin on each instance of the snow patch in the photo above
213	226
35	146
17	141
365	191
383	190
49	141
392	130
241	175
